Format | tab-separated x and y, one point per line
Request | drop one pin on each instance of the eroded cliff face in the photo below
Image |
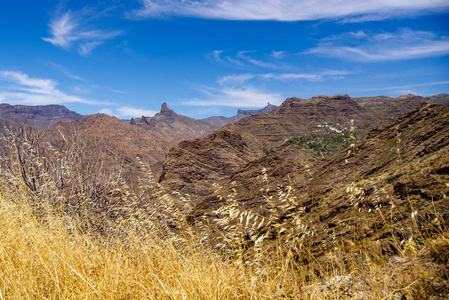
401	170
193	167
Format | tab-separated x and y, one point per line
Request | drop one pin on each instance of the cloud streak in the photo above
244	56
286	10
238	90
243	59
134	112
35	91
235	97
402	45
239	79
408	86
73	29
66	72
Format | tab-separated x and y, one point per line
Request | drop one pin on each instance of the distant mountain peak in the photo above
143	120
406	96
40	116
241	113
165	110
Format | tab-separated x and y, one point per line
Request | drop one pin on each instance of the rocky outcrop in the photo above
241	113
171	127
143	120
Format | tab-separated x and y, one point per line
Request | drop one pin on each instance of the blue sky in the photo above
125	58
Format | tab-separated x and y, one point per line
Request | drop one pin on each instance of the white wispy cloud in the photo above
244	59
106	111
216	55
235	79
134	112
278	54
240	79
407	87
127	112
66	72
244	56
292	76
235	97
286	10
403	44
240	90
118	91
23	89
75	29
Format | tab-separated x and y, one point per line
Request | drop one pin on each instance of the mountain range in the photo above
320	126
40	116
326	153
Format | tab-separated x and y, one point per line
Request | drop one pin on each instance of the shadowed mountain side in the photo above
387	108
440	99
282	167
40	116
193	167
387	182
119	141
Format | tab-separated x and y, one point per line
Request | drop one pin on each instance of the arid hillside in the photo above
320	125
118	143
40	116
401	168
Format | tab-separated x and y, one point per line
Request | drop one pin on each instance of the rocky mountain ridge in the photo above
169	125
40	116
172	127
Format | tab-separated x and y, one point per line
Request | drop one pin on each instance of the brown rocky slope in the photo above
391	186
192	167
119	142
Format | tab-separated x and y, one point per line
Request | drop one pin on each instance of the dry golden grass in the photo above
94	247
48	257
